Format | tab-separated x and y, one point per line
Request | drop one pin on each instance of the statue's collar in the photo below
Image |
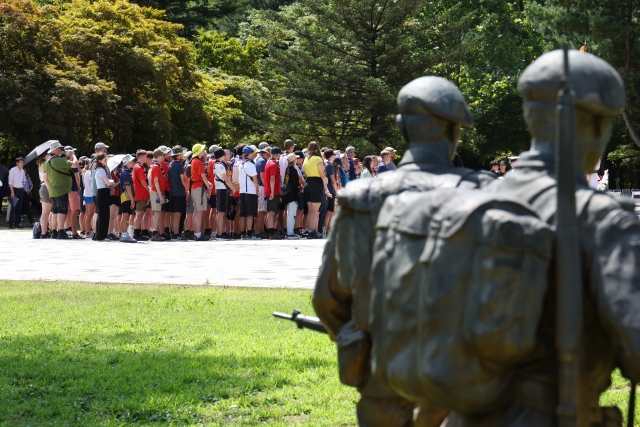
426	153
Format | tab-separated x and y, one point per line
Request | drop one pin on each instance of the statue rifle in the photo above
303	322
568	274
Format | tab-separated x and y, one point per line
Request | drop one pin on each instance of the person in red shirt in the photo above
141	191
156	194
200	185
272	183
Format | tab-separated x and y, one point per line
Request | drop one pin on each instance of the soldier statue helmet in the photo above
432	107
599	94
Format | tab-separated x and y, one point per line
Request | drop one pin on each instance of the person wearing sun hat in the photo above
200	185
127	208
58	181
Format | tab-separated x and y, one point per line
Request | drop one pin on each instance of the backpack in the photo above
37	230
458	281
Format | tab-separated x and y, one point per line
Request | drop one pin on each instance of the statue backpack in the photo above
458	281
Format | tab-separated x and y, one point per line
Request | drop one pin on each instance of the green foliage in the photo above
606	26
237	66
44	92
339	65
78	354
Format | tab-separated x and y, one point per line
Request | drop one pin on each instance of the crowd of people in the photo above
248	192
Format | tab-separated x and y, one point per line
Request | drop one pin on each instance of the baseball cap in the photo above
299	154
213	148
100	146
289	143
263	145
276	150
198	149
249	149
264	148
69	148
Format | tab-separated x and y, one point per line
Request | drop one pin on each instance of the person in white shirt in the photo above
223	186
289	147
16	183
248	179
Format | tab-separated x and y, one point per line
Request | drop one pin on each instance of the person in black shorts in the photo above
223	184
248	178
179	187
127	207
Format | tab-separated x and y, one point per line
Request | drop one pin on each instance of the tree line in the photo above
148	72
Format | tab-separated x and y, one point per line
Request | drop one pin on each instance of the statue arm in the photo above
617	292
331	302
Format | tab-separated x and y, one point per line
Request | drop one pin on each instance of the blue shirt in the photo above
74	184
343	176
125	179
382	168
261	163
329	168
352	170
175	180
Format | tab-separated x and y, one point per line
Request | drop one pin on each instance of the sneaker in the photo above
157	238
203	238
252	237
176	237
223	237
77	237
191	236
141	239
112	236
91	234
127	239
54	234
314	235
235	236
243	237
19	226
279	236
263	235
63	236
45	236
292	237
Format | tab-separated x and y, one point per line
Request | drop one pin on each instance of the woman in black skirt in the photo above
316	186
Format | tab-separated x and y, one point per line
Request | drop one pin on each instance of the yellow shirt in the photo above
310	166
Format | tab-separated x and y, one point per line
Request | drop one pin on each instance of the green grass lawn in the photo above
82	354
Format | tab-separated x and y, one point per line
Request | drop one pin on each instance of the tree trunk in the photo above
625	73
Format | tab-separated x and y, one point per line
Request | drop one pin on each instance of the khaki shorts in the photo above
199	199
141	205
156	206
262	203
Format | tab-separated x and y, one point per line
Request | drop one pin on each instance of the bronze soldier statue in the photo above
431	113
609	246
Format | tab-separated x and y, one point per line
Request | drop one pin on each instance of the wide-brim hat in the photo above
55	145
198	149
128	158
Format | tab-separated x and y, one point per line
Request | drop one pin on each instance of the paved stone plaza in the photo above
268	263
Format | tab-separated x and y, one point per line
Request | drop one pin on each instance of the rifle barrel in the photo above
303	322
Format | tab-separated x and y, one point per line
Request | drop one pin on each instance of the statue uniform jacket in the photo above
343	289
610	255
